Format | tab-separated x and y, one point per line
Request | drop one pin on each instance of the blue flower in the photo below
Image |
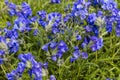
35	33
33	19
109	23
26	10
21	67
42	14
17	73
2	39
2	52
12	75
6	2
45	65
97	43
95	30
118	30
86	40
45	47
79	9
30	73
1	61
8	24
109	5
108	79
67	17
55	30
78	5
12	5
62	46
91	18
55	1
78	37
22	24
99	14
13	34
42	23
76	54
54	18
22	58
84	55
26	57
59	54
12	8
83	45
76	48
81	13
94	47
53	45
13	46
95	2
54	15
115	12
72	59
37	71
12	12
88	28
54	58
52	77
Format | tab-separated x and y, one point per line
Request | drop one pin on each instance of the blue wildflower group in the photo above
83	22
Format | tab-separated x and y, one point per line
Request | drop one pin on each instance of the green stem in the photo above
3	70
96	55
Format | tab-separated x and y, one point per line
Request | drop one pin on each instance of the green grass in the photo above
100	65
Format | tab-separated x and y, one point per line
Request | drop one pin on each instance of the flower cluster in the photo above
77	54
28	62
7	46
50	21
106	15
60	46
